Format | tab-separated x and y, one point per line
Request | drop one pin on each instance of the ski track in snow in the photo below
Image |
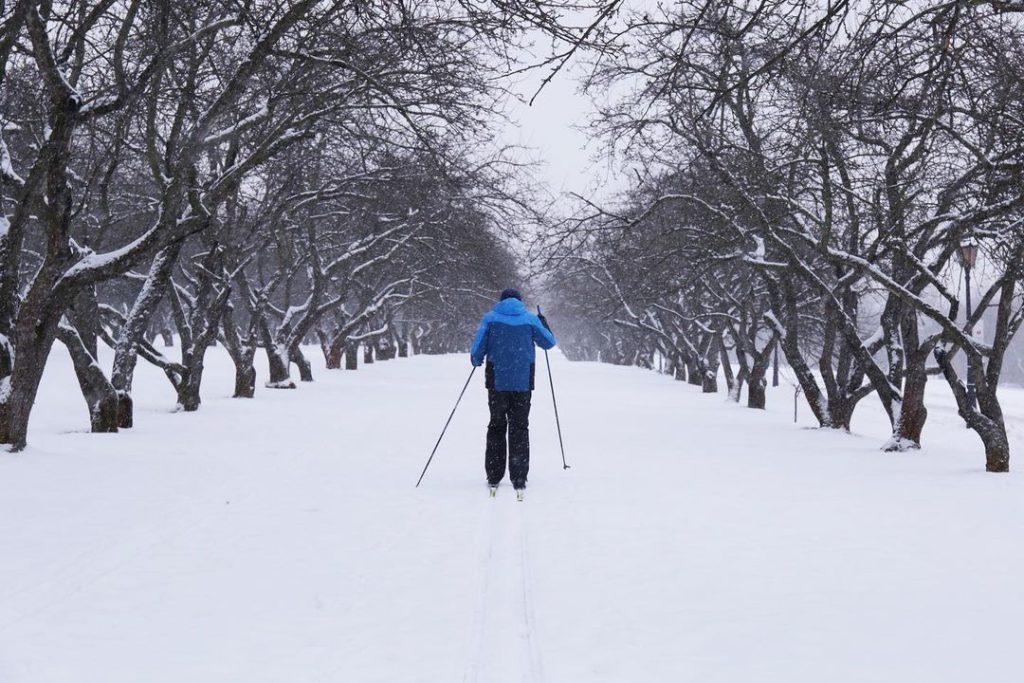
505	611
475	637
533	638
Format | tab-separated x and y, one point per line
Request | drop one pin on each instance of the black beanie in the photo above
511	294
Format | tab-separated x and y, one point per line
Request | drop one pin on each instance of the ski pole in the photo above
554	402
461	394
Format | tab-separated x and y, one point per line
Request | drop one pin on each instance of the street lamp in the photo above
968	257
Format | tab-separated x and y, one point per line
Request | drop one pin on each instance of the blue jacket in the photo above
506	338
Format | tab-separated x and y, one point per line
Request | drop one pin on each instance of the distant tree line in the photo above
814	180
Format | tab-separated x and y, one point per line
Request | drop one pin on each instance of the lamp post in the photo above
968	256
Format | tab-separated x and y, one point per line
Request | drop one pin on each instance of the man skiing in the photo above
506	340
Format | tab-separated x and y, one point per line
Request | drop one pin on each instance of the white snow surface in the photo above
280	539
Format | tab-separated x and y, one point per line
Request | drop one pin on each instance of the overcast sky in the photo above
552	128
553	125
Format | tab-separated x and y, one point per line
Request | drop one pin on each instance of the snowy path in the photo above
504	638
281	539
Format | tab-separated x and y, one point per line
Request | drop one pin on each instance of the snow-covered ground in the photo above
281	540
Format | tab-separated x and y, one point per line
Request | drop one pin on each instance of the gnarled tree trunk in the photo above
132	331
100	396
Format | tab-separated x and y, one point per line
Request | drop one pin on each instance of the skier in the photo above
506	340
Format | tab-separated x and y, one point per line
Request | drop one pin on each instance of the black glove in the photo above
544	321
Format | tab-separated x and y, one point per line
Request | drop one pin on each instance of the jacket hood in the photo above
510	307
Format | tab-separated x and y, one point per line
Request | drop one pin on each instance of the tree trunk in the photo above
679	370
125	410
997	450
741	379
907	409
34	334
280	378
188	390
303	364
80	337
132	331
731	382
100	396
335	350
710	384
912	413
22	385
403	348
194	360
368	353
986	417
757	380
245	381
784	299
351	356
242	354
15	410
756	384
841	413
29	337
693	374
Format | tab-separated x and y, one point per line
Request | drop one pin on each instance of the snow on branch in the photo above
259	116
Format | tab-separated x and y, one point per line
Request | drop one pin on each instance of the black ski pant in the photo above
510	413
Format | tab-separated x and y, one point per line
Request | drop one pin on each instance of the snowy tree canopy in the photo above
254	174
805	178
